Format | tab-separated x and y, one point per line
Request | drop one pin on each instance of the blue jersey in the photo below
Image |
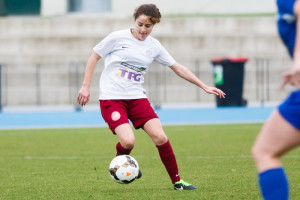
290	108
287	23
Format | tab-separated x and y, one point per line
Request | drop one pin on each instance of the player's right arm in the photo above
293	76
84	93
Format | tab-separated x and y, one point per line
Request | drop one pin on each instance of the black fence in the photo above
59	83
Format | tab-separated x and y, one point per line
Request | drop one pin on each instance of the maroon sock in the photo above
168	158
121	150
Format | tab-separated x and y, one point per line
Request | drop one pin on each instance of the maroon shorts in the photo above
117	112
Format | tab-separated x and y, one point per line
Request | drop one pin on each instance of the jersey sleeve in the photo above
164	57
106	46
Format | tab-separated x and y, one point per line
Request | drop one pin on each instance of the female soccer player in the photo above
281	132
128	53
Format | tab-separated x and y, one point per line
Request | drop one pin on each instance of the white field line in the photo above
51	158
146	157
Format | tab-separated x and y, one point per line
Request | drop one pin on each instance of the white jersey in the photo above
126	62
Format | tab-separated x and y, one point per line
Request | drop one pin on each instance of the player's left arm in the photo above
296	57
186	74
293	76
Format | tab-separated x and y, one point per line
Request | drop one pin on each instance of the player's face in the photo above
142	27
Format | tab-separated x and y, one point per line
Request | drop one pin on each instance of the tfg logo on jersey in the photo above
130	75
124	73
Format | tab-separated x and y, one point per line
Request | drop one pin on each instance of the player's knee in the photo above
258	153
128	143
161	139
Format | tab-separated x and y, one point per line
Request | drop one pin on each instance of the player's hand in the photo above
215	91
292	77
83	95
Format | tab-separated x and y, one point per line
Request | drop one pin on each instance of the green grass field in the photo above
73	164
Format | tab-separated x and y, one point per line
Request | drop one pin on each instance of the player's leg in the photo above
143	116
126	139
114	112
154	129
276	138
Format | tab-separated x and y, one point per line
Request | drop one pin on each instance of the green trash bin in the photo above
2	8
20	7
229	77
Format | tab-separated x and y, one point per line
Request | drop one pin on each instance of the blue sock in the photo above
273	184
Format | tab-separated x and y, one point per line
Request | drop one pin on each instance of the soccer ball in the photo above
124	169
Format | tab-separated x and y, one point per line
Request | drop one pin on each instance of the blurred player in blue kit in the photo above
281	132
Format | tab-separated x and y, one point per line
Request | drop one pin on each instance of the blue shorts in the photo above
287	23
290	109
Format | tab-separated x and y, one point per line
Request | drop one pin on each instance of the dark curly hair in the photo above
149	10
